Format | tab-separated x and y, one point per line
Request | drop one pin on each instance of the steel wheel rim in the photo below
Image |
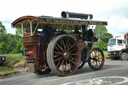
96	59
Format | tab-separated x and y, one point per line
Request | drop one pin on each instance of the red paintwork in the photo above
36	50
22	19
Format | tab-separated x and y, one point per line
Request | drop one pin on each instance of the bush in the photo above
101	44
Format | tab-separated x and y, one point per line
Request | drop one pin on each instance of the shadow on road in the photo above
85	69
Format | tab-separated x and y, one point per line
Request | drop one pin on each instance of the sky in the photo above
113	11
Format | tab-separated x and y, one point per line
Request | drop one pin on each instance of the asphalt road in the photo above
114	72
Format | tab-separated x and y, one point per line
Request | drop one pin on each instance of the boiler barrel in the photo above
76	15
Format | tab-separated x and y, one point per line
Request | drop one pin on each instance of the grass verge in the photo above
5	71
14	57
12	61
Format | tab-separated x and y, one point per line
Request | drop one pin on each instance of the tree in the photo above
106	37
10	43
2	38
2	31
103	37
1	25
19	44
101	44
100	31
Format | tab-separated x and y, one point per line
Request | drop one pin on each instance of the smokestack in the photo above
76	15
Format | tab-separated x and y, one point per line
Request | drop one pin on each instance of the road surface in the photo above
114	72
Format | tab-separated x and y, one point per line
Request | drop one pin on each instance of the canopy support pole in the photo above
22	27
36	27
31	27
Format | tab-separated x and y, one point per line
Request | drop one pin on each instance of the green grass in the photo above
11	61
14	58
4	71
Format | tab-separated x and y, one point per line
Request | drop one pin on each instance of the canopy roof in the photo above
54	20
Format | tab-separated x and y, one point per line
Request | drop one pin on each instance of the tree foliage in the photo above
2	31
100	31
9	43
103	36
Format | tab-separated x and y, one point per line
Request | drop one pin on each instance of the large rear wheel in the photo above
96	59
63	55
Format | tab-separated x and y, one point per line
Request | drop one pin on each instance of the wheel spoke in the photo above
96	64
69	66
72	58
100	58
69	62
99	54
62	63
55	56
93	54
99	63
59	47
73	54
64	45
67	43
93	62
58	64
58	59
94	59
65	65
70	47
72	61
71	51
61	44
58	53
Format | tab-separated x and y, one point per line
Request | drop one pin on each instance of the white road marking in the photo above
100	81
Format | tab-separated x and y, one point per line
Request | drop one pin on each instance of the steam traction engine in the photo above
61	45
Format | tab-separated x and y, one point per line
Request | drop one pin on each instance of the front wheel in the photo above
124	56
96	59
